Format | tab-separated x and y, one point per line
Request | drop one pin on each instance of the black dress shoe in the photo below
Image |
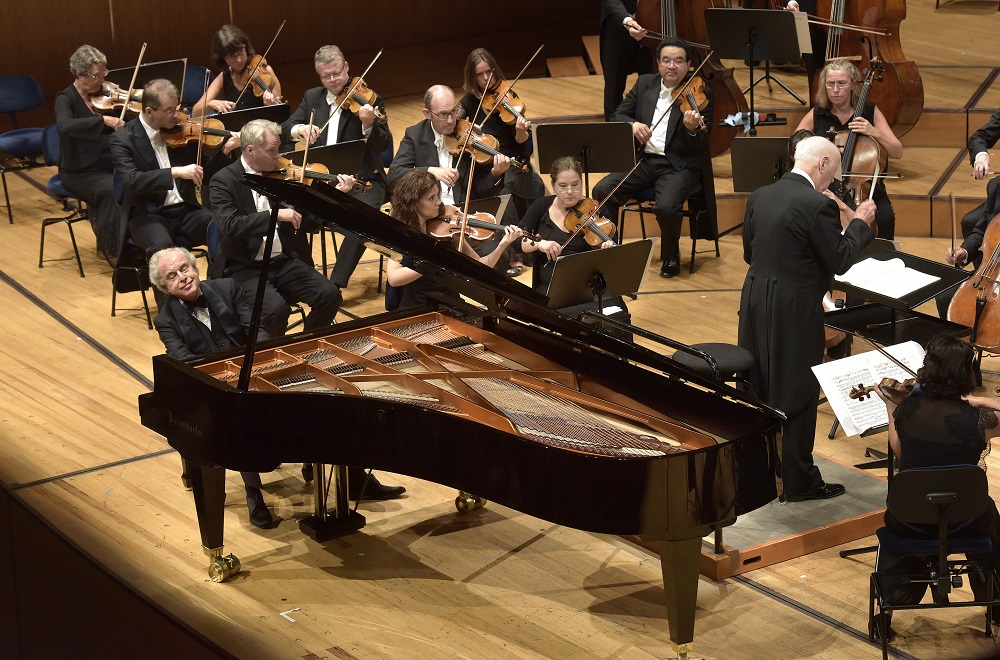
307	472
260	515
373	490
670	269
823	491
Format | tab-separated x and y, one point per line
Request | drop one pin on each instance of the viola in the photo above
694	99
360	96
901	98
687	20
891	388
511	107
286	170
262	81
976	303
187	130
112	98
479	227
596	229
481	147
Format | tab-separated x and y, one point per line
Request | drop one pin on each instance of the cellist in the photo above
837	92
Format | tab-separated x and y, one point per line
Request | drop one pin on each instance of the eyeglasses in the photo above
331	76
445	115
566	187
677	61
839	85
173	110
95	76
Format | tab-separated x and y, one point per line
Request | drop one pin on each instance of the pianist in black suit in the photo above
159	182
345	126
244	216
203	317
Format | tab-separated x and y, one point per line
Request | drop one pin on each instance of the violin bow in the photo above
135	74
347	96
472	169
953	225
253	74
305	152
510	87
201	127
884	352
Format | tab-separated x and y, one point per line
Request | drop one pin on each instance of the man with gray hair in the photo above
370	124
795	242
159	183
244	216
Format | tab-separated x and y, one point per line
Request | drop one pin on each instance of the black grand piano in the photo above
512	403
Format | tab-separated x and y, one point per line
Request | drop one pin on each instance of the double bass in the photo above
900	97
687	20
976	303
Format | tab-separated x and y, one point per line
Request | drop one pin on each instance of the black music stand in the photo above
758	161
600	146
172	70
614	271
342	158
235	120
749	34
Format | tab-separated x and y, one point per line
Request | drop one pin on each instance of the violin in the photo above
361	95
976	303
596	229
511	108
891	388
289	171
482	147
694	99
113	98
212	134
479	227
262	81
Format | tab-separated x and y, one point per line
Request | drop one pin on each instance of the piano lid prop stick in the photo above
258	303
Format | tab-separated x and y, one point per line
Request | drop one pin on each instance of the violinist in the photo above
837	93
672	155
940	424
344	126
621	50
84	155
232	54
416	199
160	199
244	217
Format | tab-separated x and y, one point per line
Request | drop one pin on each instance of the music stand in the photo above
613	271
495	206
599	146
342	158
758	161
235	120
172	70
748	34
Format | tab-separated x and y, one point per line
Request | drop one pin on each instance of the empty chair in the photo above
72	203
23	145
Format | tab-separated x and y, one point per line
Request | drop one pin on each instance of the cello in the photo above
976	303
687	20
901	96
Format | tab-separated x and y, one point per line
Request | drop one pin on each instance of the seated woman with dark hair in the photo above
939	424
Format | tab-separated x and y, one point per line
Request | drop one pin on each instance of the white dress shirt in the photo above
444	160
163	159
657	142
262	205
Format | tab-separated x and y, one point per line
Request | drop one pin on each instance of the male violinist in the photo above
159	183
343	126
244	217
674	148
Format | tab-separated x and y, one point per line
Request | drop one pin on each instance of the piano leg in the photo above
679	561
209	486
324	524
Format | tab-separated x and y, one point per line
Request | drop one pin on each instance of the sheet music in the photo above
838	377
891	278
802	31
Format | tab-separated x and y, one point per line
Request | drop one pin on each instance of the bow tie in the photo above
200	301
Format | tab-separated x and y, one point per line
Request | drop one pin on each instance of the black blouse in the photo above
936	432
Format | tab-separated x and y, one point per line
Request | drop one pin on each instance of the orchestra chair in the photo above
194	86
949	498
700	211
23	145
72	203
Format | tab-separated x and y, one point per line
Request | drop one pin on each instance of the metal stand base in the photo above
331	528
769	78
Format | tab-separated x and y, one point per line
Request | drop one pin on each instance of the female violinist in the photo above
508	125
837	92
85	158
939	424
416	199
234	55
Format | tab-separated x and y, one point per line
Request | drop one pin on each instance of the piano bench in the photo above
734	363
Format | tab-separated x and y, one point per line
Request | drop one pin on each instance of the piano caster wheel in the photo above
467	502
223	568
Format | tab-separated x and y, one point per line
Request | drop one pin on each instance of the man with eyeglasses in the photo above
673	150
159	183
345	126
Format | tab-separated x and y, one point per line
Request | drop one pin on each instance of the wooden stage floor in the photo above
419	581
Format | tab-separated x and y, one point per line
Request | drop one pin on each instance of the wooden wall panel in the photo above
180	28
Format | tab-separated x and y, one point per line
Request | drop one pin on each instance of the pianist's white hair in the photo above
154	265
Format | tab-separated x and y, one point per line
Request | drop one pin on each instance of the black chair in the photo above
732	362
23	145
194	85
72	203
948	499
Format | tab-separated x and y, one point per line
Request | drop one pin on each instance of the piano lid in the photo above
472	278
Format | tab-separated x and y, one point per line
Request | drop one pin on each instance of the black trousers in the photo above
97	188
620	56
155	232
352	248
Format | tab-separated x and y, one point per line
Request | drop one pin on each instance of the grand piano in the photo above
509	402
